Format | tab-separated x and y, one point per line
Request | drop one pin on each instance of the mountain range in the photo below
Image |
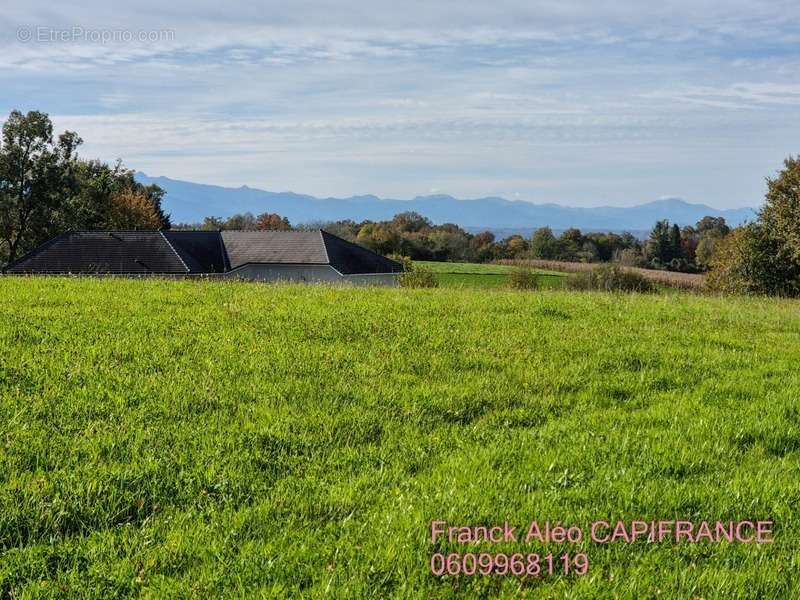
189	202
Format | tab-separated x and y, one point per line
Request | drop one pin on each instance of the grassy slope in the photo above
484	275
473	268
203	438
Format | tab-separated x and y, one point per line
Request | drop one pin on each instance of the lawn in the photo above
482	275
206	439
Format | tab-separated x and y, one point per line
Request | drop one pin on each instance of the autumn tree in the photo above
272	221
132	209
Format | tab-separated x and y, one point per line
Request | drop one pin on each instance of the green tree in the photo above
781	212
96	191
544	244
675	246
764	257
659	244
34	180
706	247
716	224
753	260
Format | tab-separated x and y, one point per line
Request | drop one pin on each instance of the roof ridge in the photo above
226	259
325	248
185	266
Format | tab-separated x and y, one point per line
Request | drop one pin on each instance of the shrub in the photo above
630	257
522	279
418	277
752	260
408	265
764	257
610	278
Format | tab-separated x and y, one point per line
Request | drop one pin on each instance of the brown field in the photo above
689	281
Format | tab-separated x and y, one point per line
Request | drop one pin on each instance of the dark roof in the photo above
351	259
201	251
184	252
102	252
315	247
274	247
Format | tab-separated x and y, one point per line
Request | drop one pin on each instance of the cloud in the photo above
598	102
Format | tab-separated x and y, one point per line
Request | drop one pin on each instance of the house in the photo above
314	255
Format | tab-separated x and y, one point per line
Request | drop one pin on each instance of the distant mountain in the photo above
189	202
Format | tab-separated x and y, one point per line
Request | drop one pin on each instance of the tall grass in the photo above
688	281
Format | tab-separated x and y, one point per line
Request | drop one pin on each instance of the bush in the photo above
630	257
522	279
764	257
751	260
418	277
406	261
610	278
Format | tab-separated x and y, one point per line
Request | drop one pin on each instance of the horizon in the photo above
443	194
611	104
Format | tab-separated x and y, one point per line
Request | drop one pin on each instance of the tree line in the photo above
410	234
46	188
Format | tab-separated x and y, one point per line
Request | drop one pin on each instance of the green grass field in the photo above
198	439
481	275
466	268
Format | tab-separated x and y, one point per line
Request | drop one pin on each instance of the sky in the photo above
576	103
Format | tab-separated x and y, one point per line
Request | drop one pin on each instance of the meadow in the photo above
485	275
672	279
224	439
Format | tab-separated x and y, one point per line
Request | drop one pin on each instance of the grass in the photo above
484	275
207	439
672	279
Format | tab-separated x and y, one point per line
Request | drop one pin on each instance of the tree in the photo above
705	248
570	244
516	245
411	222
753	260
241	222
213	223
716	224
34	179
272	221
379	237
101	194
544	244
781	212
675	246
482	246
132	208
449	242
659	244
764	257
588	252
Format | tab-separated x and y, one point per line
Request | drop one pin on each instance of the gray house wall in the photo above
311	273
